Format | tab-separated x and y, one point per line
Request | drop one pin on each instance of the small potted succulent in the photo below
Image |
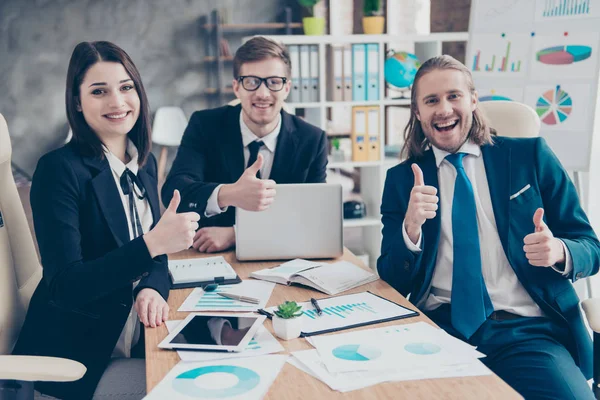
287	323
373	20
312	25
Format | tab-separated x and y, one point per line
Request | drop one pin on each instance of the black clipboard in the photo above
219	280
373	322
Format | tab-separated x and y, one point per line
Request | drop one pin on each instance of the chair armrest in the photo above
33	368
591	307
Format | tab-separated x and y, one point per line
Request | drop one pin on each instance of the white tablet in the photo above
220	332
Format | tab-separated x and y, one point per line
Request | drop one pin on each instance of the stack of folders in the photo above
327	278
354	360
305	73
353	72
365	133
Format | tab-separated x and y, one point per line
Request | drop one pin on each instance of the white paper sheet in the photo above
199	300
236	379
262	343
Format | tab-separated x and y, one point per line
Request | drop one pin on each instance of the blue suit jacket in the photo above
510	165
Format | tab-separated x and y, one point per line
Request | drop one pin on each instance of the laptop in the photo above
304	221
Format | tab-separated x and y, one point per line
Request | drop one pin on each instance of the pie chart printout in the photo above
562	55
554	106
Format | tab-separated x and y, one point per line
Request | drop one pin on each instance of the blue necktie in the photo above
470	302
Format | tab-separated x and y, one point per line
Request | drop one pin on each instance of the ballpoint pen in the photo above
240	298
316	306
265	313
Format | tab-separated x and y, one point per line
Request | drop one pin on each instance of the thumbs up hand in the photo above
541	248
174	232
249	192
422	205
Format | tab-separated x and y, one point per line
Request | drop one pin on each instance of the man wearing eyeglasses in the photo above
233	156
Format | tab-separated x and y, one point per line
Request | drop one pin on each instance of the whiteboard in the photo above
544	53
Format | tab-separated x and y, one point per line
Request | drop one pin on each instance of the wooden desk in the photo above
292	383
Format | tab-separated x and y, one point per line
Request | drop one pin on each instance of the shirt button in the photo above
193	205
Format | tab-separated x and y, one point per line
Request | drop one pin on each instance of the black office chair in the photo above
591	307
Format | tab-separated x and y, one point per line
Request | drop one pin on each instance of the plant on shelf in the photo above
373	20
312	25
286	322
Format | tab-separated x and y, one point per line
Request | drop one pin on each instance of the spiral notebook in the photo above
193	272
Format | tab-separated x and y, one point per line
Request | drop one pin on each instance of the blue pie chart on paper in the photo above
355	352
422	349
246	380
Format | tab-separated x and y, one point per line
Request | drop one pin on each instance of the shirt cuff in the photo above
568	262
409	244
212	206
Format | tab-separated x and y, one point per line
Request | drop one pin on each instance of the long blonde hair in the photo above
415	142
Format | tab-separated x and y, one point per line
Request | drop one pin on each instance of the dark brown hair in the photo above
84	56
260	48
415	142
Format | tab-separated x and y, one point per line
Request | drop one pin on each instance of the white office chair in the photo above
20	272
167	130
511	119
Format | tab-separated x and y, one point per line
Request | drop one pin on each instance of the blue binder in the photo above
372	71
359	78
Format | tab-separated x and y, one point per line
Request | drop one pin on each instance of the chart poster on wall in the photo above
498	92
499	55
561	107
549	10
499	15
572	55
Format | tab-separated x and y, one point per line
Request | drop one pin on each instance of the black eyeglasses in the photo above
252	83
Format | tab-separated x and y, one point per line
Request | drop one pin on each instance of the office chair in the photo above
514	119
167	130
20	272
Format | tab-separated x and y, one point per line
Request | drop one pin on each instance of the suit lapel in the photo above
285	151
109	199
150	184
431	228
233	147
496	159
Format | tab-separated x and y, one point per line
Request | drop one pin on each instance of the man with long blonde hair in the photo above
486	234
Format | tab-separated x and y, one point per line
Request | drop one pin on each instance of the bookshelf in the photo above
372	173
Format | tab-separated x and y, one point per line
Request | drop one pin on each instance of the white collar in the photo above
468	147
270	140
117	165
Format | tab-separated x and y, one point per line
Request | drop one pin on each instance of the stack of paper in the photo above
355	360
199	300
240	378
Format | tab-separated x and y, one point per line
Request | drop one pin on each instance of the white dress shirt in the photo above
505	290
131	331
267	151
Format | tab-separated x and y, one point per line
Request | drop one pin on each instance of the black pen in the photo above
265	313
316	306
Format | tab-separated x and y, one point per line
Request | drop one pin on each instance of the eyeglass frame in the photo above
262	80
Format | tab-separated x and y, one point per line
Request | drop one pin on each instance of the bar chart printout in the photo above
565	8
504	63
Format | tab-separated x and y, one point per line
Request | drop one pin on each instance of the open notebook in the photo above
192	272
327	278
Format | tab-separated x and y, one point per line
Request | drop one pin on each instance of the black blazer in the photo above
212	153
89	264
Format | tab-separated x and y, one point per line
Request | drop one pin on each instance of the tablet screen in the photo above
214	330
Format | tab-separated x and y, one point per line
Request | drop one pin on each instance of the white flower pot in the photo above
287	329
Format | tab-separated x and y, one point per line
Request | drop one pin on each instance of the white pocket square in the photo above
520	192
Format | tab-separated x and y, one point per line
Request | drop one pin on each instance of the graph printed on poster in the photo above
561	107
548	10
490	16
573	55
499	55
487	92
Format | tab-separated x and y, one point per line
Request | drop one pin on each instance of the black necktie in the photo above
129	181
254	147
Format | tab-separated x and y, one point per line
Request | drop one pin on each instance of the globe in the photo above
400	69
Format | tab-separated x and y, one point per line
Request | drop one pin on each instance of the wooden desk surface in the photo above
292	383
